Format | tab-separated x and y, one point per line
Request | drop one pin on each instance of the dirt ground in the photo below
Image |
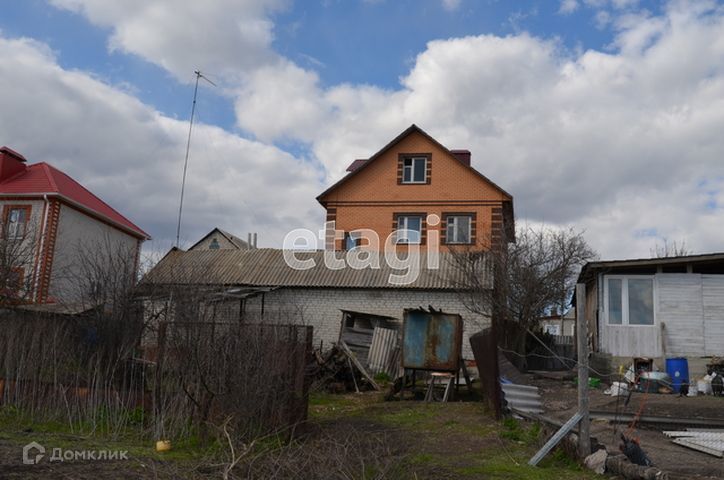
560	401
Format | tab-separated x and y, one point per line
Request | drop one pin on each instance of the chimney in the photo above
462	155
11	163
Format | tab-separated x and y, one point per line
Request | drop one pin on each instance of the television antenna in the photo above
199	75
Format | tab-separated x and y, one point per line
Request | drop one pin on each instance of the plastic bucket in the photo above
678	370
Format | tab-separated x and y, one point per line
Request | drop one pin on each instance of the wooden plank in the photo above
584	439
555	439
359	366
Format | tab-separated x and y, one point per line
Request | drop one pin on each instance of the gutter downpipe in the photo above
38	262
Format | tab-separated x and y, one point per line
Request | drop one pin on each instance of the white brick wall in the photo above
321	308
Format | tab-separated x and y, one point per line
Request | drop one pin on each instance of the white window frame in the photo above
411	169
448	240
402	221
624	299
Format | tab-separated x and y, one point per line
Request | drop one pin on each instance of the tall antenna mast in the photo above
186	158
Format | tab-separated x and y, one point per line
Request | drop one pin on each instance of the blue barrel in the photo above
678	370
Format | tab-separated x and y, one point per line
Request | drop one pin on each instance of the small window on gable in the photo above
214	245
414	170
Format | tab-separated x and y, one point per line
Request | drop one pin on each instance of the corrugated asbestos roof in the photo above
269	268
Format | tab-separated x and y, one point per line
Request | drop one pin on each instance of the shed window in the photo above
630	300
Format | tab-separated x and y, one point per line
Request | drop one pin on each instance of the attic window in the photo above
214	245
414	170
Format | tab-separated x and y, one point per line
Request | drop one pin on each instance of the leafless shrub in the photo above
532	277
348	454
670	249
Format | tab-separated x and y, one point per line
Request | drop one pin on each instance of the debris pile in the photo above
337	371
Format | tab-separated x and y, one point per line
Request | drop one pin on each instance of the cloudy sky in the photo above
604	115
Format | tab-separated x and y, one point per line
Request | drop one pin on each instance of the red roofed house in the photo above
51	224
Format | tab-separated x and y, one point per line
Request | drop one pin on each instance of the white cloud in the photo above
223	37
131	155
625	143
617	143
568	6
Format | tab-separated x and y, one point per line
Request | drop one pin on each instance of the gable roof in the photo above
268	267
411	129
44	179
233	239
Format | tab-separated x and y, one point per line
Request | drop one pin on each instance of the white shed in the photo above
664	307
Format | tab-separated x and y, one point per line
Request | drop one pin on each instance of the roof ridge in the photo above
47	170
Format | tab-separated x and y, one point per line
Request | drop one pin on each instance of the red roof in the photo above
41	179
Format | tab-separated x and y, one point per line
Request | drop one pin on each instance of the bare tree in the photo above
18	246
533	277
670	249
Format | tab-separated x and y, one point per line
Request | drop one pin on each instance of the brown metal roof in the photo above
268	267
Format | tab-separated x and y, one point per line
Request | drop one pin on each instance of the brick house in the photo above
51	225
425	193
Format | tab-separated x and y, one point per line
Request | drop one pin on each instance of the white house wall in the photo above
680	309
713	301
691	308
321	308
77	234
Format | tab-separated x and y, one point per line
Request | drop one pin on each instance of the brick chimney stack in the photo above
11	163
462	155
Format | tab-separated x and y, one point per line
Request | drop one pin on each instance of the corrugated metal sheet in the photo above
522	397
384	341
268	267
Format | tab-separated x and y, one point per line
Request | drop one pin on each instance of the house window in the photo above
16	221
458	229
629	300
409	229
414	170
214	244
352	240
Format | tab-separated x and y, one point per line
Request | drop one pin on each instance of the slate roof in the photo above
265	267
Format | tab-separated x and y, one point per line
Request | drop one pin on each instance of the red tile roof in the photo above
41	179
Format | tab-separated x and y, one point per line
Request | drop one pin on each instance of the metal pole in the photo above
584	428
186	159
